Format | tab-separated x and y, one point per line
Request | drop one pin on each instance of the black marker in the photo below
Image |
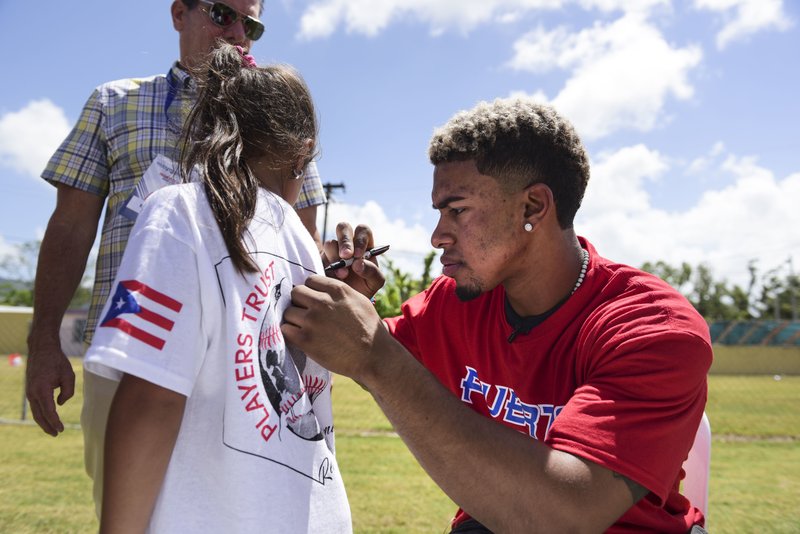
347	263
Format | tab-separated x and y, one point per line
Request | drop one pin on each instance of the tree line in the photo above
772	294
768	295
17	273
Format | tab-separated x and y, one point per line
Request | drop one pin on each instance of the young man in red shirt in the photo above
558	391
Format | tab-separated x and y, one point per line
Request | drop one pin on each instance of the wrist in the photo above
380	360
38	342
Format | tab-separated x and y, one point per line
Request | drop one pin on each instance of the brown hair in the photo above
244	112
519	143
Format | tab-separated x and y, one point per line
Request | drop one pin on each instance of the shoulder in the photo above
271	208
630	306
441	290
129	84
114	90
274	213
178	204
189	194
628	287
614	284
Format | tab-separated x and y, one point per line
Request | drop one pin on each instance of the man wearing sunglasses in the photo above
201	23
122	147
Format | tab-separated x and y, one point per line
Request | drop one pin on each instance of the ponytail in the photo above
243	111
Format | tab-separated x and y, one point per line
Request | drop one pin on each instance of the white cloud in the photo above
743	18
627	6
538	96
5	248
617	183
621	73
753	217
410	243
29	137
370	17
701	164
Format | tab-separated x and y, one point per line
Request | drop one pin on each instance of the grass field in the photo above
755	482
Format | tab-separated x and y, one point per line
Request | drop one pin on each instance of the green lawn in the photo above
47	491
755	406
755	483
755	487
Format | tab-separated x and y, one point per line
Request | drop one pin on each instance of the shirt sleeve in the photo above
82	159
312	192
408	327
639	406
151	326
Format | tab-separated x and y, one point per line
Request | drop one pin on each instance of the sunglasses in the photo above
224	15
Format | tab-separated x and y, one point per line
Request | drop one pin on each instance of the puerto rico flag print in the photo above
142	312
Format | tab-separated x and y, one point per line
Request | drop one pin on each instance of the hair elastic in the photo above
248	61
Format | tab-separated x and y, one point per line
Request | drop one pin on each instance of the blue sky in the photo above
688	109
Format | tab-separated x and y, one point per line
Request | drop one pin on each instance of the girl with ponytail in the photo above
217	425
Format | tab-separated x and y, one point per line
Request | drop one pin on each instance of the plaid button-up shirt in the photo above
122	128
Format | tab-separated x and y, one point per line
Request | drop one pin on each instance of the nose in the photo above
441	238
235	35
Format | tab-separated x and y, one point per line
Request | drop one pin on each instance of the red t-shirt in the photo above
616	375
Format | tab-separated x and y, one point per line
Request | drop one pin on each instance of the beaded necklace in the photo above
584	266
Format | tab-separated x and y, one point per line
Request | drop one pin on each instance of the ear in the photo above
178	10
302	160
539	203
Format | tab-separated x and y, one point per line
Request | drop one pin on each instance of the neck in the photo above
549	277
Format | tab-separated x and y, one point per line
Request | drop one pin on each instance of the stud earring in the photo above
528	227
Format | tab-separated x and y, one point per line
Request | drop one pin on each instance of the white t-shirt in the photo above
255	451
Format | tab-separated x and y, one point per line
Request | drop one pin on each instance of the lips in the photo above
449	266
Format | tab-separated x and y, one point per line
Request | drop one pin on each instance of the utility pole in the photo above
329	187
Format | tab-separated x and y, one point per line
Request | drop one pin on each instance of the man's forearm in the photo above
62	261
506	480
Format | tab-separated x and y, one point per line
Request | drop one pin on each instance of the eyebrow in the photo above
446	202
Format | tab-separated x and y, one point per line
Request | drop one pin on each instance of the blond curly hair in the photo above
519	142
